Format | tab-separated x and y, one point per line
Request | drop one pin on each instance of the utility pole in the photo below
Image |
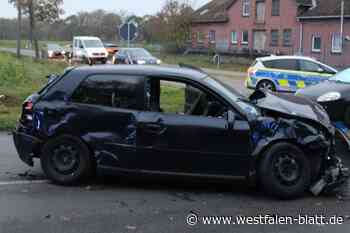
129	22
342	24
19	28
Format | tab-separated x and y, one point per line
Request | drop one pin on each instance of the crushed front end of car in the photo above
304	123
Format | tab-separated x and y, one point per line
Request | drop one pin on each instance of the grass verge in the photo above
18	79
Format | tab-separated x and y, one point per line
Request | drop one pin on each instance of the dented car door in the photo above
184	143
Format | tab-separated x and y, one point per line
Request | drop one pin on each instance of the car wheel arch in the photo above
258	156
69	134
266	80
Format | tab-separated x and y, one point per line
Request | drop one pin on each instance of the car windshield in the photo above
110	45
232	94
93	44
139	53
343	76
54	47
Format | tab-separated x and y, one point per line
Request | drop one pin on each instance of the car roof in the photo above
149	70
272	58
132	48
86	38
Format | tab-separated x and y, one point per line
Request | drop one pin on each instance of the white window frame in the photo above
245	42
199	39
313	49
246	5
336	50
234	40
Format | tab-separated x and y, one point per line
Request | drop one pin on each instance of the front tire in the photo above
66	160
266	85
284	171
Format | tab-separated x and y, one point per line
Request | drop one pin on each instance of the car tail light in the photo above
28	106
27	113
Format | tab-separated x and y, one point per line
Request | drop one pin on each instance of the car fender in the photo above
268	131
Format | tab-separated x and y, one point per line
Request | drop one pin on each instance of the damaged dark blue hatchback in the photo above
176	121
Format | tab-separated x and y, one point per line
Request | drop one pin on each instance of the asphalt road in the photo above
30	203
24	52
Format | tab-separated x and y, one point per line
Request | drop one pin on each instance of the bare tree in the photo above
42	11
171	25
19	4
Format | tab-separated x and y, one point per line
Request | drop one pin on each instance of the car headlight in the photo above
141	62
330	96
159	62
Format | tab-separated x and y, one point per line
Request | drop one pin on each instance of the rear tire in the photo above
66	160
266	85
284	171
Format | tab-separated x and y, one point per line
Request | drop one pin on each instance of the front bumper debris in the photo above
333	178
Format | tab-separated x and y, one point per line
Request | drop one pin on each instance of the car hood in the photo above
96	50
147	59
295	106
313	92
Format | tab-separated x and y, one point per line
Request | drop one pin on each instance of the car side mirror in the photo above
81	47
231	118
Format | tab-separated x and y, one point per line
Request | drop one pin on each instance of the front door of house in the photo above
259	40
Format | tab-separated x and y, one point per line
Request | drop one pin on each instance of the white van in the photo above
89	50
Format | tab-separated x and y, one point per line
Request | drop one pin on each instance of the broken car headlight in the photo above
330	96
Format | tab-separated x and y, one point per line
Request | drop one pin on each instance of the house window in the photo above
336	43
275	8
260	11
316	44
287	37
245	37
212	36
246	8
274	38
234	37
200	37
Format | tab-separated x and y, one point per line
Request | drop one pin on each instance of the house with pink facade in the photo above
325	34
260	27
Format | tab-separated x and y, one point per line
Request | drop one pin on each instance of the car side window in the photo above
121	53
181	98
309	66
116	91
282	64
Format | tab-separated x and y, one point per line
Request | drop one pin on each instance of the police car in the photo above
287	73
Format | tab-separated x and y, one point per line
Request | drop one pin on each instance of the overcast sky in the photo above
139	7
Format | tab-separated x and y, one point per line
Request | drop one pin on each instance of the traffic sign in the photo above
128	31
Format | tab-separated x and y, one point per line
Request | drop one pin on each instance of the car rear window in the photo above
52	82
282	64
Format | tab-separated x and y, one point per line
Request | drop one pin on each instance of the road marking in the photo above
22	182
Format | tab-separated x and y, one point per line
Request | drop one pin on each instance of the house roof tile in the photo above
327	8
216	11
